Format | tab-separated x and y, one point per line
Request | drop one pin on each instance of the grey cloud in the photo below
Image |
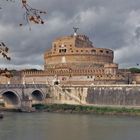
110	24
137	32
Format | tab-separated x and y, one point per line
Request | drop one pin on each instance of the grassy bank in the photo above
86	109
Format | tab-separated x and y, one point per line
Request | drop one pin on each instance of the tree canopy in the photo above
134	70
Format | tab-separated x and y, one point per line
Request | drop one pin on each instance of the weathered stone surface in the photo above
114	96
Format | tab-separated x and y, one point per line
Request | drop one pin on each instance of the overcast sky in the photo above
113	24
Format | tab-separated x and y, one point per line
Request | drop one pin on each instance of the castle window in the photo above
62	50
101	51
93	51
81	50
76	50
107	52
70	45
72	51
54	46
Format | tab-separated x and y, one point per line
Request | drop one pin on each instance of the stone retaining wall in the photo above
112	95
124	96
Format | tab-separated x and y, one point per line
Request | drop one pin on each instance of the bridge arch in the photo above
11	99
37	96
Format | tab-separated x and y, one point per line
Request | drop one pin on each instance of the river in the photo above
55	126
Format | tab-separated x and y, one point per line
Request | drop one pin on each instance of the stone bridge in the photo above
13	94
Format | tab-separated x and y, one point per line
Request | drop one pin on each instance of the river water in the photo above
55	126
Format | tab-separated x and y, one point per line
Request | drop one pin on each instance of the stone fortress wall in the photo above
76	50
84	75
81	76
73	60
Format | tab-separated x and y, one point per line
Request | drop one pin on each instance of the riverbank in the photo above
65	108
80	109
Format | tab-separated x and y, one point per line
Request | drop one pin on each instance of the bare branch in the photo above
4	50
32	15
5	72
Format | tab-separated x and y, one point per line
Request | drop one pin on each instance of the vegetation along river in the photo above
64	126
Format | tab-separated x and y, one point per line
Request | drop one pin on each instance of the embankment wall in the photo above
104	95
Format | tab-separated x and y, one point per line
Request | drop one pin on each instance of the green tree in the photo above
134	70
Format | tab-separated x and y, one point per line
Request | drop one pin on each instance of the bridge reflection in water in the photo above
13	94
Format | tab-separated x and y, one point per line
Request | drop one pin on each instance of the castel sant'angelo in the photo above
76	72
75	60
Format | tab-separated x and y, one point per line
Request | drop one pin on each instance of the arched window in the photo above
62	50
93	51
54	46
101	51
107	52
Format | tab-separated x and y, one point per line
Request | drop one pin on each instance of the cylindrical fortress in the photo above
76	50
73	60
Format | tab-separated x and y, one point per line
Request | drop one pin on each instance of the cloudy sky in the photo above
113	24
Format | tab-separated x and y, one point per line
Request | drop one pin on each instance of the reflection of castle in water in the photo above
73	60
